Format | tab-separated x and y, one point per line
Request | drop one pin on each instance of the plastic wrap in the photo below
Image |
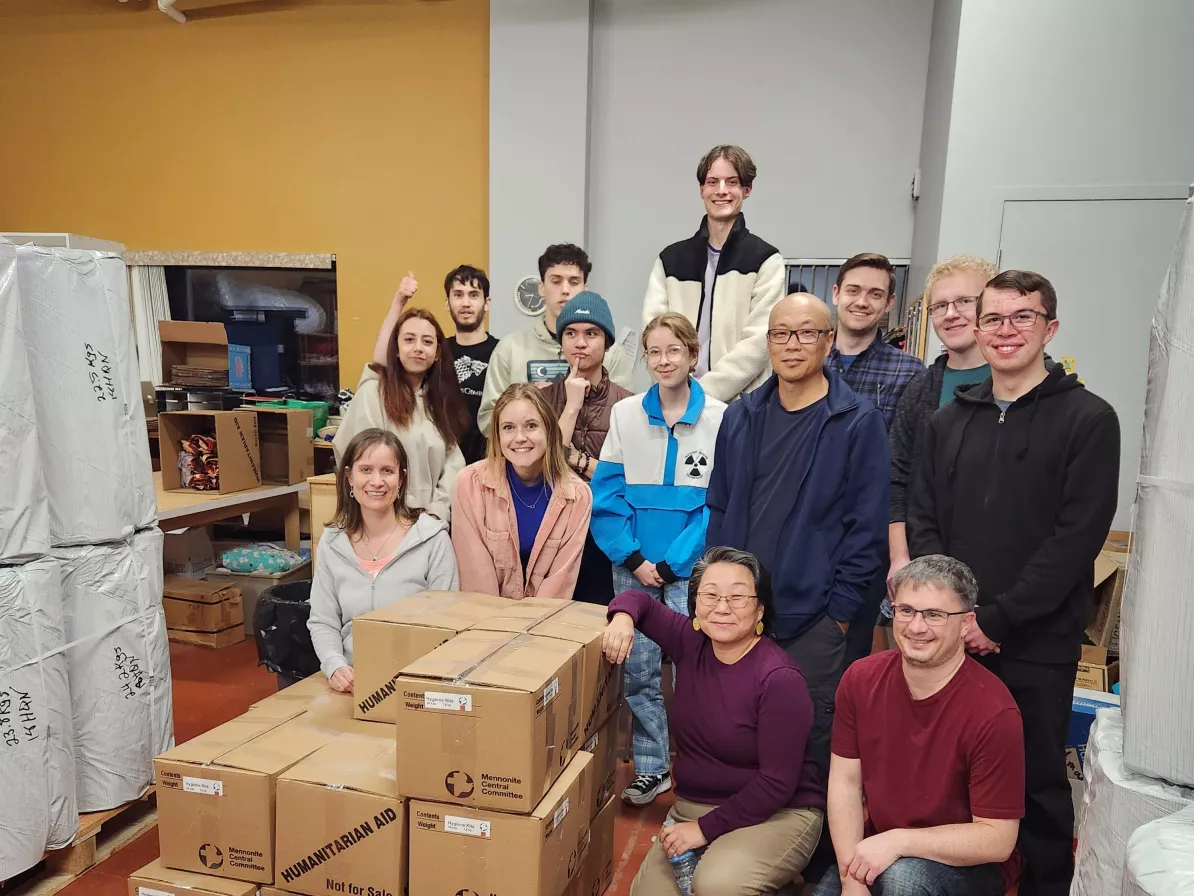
236	295
1161	857
37	771
90	422
119	666
24	511
1116	803
1157	624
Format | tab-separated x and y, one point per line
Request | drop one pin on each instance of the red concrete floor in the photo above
213	686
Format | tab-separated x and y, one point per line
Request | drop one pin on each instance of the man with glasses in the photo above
802	483
926	784
724	279
1018	479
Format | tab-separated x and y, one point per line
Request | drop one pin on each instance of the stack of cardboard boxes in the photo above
497	777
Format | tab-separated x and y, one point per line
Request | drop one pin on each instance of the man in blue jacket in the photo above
804	485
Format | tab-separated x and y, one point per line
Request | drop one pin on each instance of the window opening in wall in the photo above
817	276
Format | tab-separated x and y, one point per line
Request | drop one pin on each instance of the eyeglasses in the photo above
961	304
935	618
804	337
709	600
672	352
1024	319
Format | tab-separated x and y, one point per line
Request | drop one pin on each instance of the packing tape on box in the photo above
115	626
520	638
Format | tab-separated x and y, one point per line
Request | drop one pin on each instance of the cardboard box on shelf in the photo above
187	343
216	792
341	826
287	455
199	606
188	552
155	879
599	684
1095	671
237	447
604	748
456	850
1111	571
597	860
394	636
252	585
483	720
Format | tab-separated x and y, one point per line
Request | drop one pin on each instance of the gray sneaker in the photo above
644	788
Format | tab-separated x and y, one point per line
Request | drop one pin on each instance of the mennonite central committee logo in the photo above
211	856
466	893
459	784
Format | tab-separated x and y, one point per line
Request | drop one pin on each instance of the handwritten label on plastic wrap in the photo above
99	372
129	673
18	718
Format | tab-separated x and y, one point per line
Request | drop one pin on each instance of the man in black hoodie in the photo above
1018	479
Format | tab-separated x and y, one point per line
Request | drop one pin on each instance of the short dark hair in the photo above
757	570
565	253
467	275
868	260
738	157
939	571
1024	282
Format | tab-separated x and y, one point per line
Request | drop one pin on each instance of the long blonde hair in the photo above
555	463
348	511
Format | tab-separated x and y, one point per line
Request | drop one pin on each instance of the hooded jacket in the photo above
835	536
592	422
1025	498
342	590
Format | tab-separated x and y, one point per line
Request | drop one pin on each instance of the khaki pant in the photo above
749	861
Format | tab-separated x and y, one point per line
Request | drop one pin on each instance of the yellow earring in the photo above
696	625
759	627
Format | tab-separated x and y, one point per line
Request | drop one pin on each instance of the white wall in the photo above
826	95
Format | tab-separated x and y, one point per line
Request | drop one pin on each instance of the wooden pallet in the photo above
100	835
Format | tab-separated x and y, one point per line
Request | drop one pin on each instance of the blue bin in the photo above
240	367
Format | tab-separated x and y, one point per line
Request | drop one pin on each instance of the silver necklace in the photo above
542	493
369	545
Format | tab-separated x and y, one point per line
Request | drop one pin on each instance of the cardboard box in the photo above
387	639
597	859
454	850
253	584
155	879
236	447
1086	703
188	552
1095	672
341	827
188	343
299	694
287	454
483	720
216	792
214	640
1111	571
273	891
604	748
199	606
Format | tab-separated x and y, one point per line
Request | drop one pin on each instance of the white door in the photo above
1106	258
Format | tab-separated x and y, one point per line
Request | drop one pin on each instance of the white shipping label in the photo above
591	746
454	824
456	702
561	814
206	786
549	692
149	891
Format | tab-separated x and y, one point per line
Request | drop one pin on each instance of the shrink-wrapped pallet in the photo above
1161	857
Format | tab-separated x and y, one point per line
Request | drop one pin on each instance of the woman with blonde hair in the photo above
377	549
520	516
411	389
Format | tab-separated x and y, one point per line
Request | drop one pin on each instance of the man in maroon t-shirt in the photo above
926	783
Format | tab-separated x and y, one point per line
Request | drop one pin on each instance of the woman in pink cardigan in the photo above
520	516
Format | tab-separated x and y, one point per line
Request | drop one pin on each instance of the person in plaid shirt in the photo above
863	296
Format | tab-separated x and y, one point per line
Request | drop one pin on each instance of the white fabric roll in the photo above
1161	857
119	666
37	775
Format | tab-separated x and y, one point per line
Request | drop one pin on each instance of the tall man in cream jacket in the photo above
723	278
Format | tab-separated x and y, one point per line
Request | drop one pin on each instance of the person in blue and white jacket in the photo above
649	517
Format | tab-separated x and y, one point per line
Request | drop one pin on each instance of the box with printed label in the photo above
188	552
599	685
604	747
341	825
483	720
1096	672
155	879
216	791
461	849
1110	574
597	859
387	639
237	448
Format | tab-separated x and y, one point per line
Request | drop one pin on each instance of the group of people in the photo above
789	494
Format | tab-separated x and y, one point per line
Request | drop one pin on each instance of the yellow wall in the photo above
357	128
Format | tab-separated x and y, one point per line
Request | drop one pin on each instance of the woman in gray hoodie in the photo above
376	550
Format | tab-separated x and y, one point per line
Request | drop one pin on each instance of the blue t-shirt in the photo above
846	361
951	379
530	506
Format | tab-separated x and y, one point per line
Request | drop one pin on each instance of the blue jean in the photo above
643	679
923	877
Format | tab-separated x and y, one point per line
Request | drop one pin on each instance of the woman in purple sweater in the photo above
741	717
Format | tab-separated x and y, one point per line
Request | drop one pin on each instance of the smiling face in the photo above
956	328
467	304
417	346
669	361
523	437
794	361
722	585
1008	350
584	345
560	283
376	478
722	191
863	300
925	645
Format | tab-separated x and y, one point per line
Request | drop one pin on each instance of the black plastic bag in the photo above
280	624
